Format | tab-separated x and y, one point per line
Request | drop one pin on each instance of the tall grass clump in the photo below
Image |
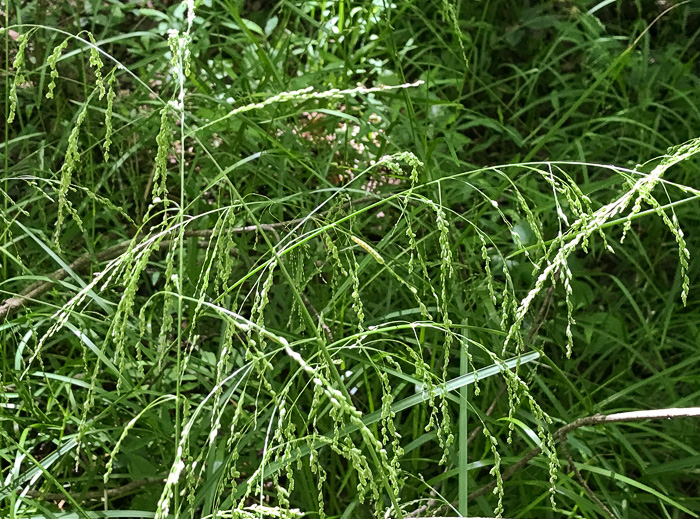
349	259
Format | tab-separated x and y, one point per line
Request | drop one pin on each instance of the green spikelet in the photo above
96	63
495	470
71	160
20	67
164	140
356	299
108	116
52	60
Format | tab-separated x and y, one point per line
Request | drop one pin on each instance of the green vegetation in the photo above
349	259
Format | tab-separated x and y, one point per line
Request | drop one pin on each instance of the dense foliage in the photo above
349	259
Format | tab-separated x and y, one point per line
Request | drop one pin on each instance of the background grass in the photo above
248	250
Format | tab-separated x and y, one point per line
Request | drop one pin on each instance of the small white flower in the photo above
175	474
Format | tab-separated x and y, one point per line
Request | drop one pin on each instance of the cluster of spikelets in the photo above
381	454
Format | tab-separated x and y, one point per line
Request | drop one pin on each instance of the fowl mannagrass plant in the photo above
295	307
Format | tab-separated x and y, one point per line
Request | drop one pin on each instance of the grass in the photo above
349	259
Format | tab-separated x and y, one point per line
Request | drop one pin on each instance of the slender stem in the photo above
181	262
463	429
7	124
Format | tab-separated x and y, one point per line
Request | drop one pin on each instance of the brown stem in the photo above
111	493
596	419
478	428
311	307
582	482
